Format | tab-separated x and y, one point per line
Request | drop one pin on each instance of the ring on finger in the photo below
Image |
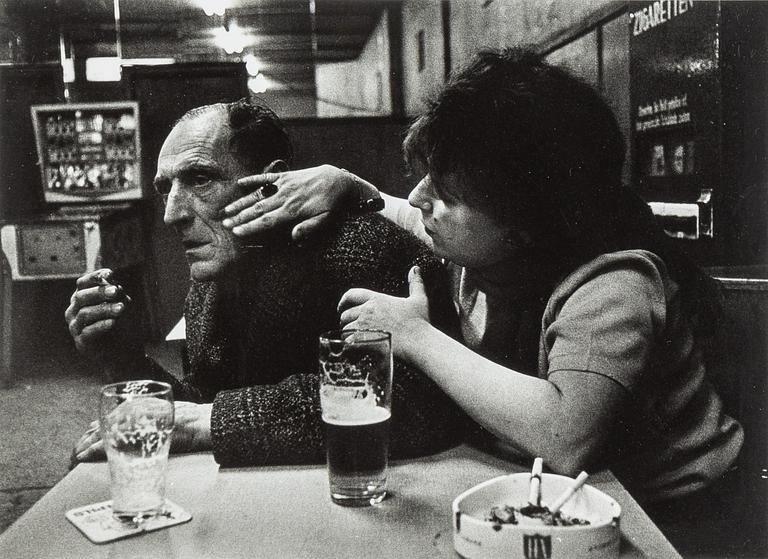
265	191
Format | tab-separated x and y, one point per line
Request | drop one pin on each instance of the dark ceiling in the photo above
285	36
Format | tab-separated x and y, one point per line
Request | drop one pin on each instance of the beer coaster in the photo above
97	524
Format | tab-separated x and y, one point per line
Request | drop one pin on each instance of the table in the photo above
285	512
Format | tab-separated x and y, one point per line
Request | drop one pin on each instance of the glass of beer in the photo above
356	397
136	421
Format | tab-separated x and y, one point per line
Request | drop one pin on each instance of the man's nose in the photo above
177	208
419	197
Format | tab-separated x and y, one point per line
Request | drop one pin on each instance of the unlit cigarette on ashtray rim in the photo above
534	494
568	493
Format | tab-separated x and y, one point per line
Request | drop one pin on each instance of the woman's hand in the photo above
305	199
402	316
191	433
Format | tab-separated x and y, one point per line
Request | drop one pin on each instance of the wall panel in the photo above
499	23
422	19
361	86
580	57
615	71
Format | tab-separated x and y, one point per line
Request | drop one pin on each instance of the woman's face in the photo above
460	233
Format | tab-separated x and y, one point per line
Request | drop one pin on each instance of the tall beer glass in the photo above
356	396
136	421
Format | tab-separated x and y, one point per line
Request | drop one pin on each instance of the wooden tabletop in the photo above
285	511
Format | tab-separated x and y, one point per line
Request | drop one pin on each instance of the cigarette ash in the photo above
532	515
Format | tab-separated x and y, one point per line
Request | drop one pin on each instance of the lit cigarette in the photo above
534	494
575	486
102	277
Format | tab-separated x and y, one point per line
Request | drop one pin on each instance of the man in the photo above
255	307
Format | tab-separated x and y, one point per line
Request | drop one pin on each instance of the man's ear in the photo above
277	166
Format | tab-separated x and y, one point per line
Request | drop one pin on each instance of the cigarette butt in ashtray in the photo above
534	495
568	493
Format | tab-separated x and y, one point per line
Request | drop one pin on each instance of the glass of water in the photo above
355	397
136	422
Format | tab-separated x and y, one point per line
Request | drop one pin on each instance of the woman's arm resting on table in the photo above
565	420
306	198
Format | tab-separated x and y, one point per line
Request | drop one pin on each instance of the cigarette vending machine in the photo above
698	84
89	161
698	94
88	152
89	158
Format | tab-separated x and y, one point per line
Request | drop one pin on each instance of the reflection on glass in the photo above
658	162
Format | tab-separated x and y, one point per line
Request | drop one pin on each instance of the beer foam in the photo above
358	396
370	416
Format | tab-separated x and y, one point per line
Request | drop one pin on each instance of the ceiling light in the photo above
252	64
232	40
212	7
102	69
148	61
68	70
258	84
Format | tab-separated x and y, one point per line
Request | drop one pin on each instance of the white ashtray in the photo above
475	537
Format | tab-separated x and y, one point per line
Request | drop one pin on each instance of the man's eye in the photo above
162	187
201	181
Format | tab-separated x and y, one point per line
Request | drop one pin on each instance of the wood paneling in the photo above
737	363
21	189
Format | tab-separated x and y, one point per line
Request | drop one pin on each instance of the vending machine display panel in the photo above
89	152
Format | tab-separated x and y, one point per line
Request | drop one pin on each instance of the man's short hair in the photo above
520	132
258	136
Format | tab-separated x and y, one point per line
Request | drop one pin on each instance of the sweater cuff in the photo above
267	424
227	427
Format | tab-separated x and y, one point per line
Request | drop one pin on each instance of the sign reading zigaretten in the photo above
675	97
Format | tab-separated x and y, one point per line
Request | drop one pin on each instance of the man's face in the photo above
197	174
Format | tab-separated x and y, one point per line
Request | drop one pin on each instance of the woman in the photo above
582	326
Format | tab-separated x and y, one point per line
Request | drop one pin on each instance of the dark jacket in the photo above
252	344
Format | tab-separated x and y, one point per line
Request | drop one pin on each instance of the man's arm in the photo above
281	423
268	424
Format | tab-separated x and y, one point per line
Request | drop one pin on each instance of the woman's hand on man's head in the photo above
304	200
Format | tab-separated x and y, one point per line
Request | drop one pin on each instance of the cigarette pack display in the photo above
89	152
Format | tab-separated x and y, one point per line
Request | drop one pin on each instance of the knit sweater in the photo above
252	344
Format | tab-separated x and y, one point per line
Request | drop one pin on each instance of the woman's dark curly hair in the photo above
521	130
538	149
